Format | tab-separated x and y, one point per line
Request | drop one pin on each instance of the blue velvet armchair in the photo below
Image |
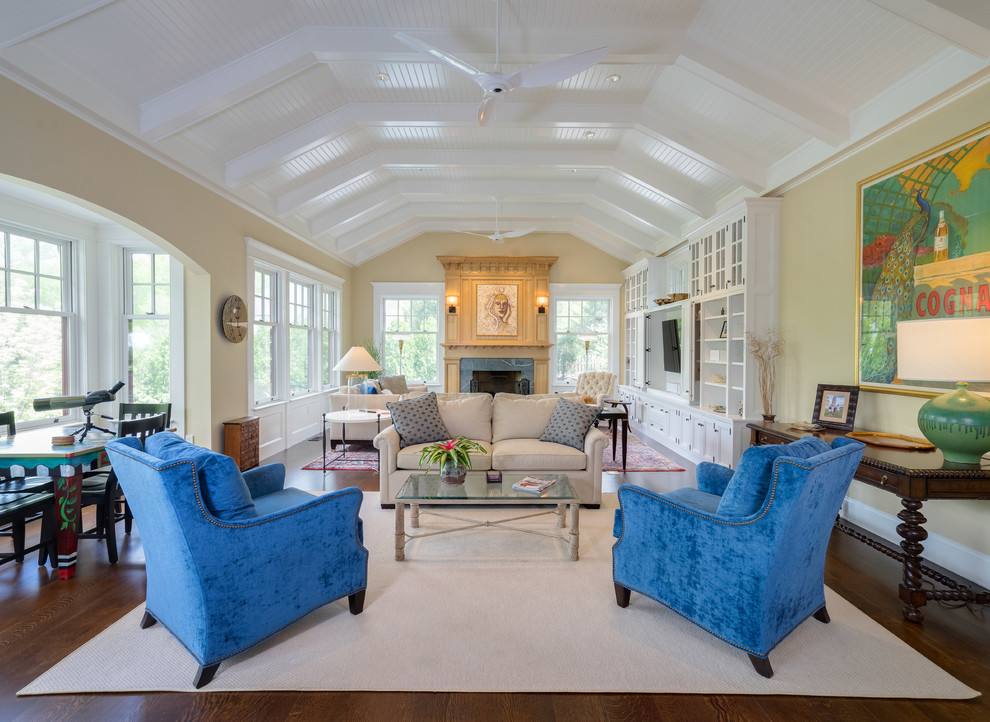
233	559
743	555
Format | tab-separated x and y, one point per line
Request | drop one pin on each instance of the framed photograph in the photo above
835	407
923	252
722	333
497	309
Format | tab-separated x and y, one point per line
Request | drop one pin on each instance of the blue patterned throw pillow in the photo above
418	420
570	423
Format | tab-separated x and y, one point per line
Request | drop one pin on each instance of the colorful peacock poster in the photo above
924	252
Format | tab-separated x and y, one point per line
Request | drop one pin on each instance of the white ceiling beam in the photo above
668	184
795	107
708	151
703	148
517	215
22	20
962	23
627	205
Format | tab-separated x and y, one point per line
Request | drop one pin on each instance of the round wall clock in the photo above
234	319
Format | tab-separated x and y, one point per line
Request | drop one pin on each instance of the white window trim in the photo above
580	292
383	289
263	257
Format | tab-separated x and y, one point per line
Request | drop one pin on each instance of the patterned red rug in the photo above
356	457
639	457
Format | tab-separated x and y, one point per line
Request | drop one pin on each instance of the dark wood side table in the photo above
618	413
241	440
915	477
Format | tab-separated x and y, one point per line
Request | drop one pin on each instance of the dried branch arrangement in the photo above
766	347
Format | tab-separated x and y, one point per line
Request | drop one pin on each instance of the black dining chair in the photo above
23	500
103	491
140	410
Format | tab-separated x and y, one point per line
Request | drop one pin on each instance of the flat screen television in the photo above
671	330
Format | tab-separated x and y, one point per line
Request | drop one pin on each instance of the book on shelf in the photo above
532	485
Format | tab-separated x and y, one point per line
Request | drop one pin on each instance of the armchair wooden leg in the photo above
356	602
822	616
762	665
110	532
205	675
622	596
147	620
128	518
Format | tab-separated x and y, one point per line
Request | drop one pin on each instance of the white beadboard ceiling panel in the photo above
313	114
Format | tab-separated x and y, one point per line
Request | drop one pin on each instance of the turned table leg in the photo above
913	533
400	531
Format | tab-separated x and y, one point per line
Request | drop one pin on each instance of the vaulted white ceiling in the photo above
277	104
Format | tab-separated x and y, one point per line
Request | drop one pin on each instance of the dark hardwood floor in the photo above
43	619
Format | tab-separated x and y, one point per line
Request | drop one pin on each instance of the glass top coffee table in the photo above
477	491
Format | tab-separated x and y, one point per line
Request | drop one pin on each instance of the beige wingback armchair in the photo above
596	385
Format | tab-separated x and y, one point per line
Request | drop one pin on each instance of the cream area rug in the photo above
498	610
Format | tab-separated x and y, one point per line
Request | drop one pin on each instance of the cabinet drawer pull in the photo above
883	480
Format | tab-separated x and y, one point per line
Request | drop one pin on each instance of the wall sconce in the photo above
451	304
542	301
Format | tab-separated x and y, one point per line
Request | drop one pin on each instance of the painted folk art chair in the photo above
743	555
233	559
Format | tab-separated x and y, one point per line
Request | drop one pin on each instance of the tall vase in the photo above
452	473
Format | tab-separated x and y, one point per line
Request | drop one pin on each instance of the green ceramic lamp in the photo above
950	349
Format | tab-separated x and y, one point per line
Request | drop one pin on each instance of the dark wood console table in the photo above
915	477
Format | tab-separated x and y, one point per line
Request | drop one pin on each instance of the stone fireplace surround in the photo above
517	368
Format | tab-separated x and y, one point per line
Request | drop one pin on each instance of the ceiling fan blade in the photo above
486	111
516	234
556	70
441	55
472	233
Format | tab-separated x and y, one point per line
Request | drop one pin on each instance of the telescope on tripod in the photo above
86	403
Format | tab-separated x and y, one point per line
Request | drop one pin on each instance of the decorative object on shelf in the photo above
722	333
805	426
717	408
892	441
718	379
835	407
234	319
912	263
950	349
453	457
766	347
497	309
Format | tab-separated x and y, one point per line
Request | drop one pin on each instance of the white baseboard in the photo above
955	557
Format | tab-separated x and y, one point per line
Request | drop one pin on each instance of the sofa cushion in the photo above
569	423
470	417
395	384
369	387
224	491
520	418
748	487
408	458
418	420
535	455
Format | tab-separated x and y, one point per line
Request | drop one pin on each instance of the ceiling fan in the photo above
495	84
498	237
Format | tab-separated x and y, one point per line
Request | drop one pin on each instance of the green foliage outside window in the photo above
577	322
414	321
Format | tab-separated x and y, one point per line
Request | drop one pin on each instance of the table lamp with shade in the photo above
353	363
950	349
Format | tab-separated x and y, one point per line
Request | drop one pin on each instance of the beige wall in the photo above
577	262
48	146
818	301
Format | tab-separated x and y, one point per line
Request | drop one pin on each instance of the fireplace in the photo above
494	375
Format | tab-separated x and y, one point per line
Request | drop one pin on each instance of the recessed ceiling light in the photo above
590	134
574	170
382	76
613	78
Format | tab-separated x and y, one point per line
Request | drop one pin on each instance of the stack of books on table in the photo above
532	485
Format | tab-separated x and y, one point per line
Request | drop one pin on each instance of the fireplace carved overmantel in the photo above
468	278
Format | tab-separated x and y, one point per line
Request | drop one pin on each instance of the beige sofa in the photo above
509	427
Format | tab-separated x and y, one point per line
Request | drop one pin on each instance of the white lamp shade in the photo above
357	359
944	349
